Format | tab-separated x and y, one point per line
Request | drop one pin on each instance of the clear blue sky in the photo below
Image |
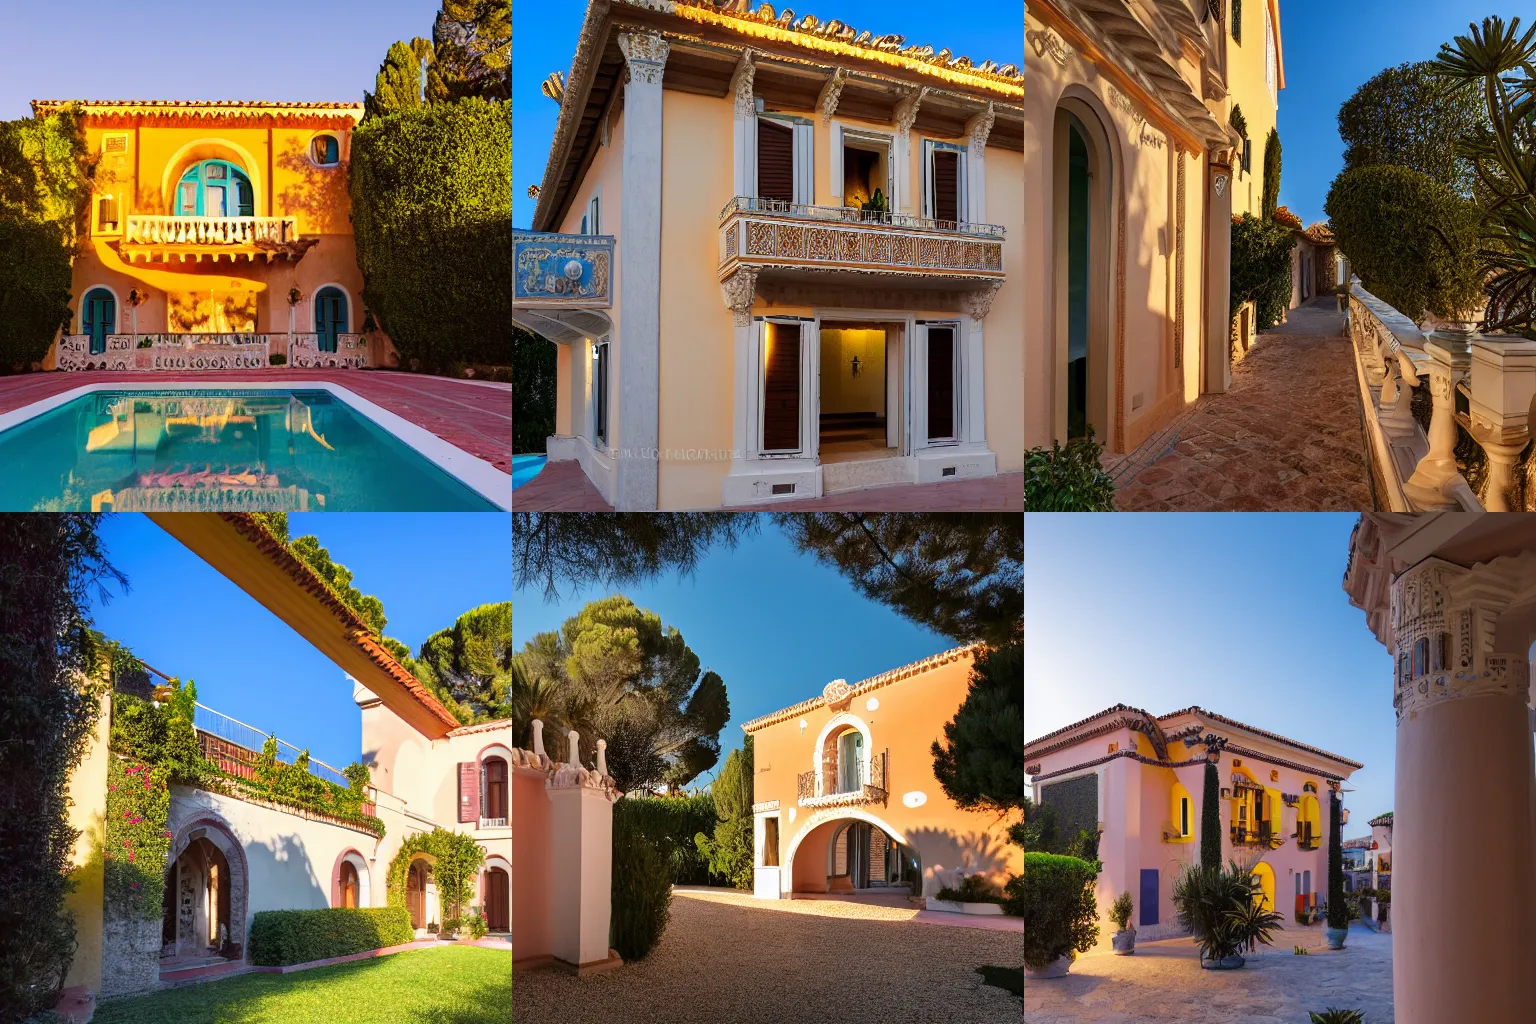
186	620
544	40
1333	48
1243	614
312	50
776	625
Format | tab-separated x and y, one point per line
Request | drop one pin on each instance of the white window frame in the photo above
887	140
803	143
594	393
962	210
808	333
1271	60
591	222
958	355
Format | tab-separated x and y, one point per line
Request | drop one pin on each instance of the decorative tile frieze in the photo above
562	270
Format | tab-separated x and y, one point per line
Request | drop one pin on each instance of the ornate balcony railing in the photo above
228	351
147	229
827	788
561	271
351	352
770	234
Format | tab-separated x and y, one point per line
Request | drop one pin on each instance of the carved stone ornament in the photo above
830	94
646	55
906	111
741	84
1221	184
740	291
978	303
837	693
1048	44
979	128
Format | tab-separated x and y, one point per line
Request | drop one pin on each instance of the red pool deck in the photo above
473	415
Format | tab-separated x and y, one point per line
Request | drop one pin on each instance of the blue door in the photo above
1148	896
98	318
330	317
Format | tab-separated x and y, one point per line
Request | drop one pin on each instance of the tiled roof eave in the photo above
873	682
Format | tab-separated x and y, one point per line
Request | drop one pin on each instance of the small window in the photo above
108	213
1247	156
1402	668
1444	652
1183	815
600	394
593	225
775	161
946	185
1420	657
771	842
325	150
1237	22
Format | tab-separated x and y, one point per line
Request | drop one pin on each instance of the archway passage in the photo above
349	885
196	912
498	903
416	893
854	856
1264	875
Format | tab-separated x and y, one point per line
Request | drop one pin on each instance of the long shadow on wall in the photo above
282	876
946	854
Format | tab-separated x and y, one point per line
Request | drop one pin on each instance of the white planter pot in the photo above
1056	970
951	907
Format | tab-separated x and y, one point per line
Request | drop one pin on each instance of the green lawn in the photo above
449	985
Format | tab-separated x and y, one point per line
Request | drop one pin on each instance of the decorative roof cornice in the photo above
929	663
253	113
499	725
1196	709
563	775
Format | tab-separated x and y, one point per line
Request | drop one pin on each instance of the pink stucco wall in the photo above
530	867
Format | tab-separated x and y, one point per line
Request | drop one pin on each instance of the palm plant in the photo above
1332	1016
1500	60
1219	908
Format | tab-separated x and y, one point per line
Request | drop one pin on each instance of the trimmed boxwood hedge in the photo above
283	937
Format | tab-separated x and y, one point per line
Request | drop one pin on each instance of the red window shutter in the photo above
469	791
775	161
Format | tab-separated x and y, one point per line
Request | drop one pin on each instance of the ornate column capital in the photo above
740	291
979	127
831	92
741	84
906	112
978	303
646	55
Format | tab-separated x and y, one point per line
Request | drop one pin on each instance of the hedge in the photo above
1059	905
1412	240
283	937
671	823
431	193
641	889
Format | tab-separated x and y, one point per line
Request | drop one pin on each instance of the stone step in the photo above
859	474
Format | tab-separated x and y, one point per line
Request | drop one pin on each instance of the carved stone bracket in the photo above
830	94
740	291
1048	44
646	55
978	303
741	84
978	128
906	112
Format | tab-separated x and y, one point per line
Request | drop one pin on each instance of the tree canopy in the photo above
473	51
1404	116
960	574
398	85
468	666
614	672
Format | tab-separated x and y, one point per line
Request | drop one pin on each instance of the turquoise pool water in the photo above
525	468
228	449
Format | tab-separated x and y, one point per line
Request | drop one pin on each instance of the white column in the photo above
1464	775
639	350
977	129
1429	486
744	176
978	305
581	873
739	292
905	116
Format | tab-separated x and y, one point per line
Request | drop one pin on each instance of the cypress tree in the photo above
398	85
1271	174
1210	820
1338	913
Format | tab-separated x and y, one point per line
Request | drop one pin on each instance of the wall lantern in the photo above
855	366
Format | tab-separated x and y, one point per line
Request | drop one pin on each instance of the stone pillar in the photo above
1464	775
581	865
977	130
740	292
1503	381
639	355
977	304
1218	276
1429	486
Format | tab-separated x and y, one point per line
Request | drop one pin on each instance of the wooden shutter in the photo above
946	185
775	161
781	387
469	791
941	382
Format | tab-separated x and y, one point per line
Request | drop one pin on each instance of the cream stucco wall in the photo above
1247	87
87	790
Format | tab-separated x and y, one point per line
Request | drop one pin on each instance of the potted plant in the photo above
1062	913
1123	940
1222	909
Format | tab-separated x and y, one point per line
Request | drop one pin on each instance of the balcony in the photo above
556	271
828	788
155	237
794	239
231	351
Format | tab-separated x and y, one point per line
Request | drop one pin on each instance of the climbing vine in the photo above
457	864
135	839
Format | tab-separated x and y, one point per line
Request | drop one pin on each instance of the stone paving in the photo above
1287	435
1162	983
563	487
727	956
475	416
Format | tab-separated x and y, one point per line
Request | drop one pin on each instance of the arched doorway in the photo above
416	892
98	318
498	903
330	317
349	885
197	919
1264	875
1083	180
850	855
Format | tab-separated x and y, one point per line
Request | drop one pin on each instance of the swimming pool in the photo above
296	447
525	468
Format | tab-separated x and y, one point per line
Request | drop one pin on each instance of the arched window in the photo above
325	150
215	188
495	788
349	886
330	316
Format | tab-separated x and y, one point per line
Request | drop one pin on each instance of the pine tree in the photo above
1210	820
1271	174
398	85
730	850
473	51
980	764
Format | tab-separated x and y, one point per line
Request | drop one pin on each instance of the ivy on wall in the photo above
136	839
457	860
1076	803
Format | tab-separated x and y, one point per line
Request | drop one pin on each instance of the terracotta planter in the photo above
1124	941
1336	937
1226	963
1056	970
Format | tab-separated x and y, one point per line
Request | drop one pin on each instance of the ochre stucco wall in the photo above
87	813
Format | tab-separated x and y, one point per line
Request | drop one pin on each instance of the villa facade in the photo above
779	256
845	799
1139	781
1133	171
219	236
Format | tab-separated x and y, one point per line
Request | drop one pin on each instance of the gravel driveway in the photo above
727	957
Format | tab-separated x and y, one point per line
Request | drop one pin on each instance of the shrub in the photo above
476	924
1067	479
1120	911
973	889
1412	240
1058	902
1332	1016
672	823
1217	907
456	865
731	848
1261	267
533	391
641	890
1404	117
283	937
431	193
451	927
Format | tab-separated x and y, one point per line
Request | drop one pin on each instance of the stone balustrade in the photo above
145	229
227	351
351	352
